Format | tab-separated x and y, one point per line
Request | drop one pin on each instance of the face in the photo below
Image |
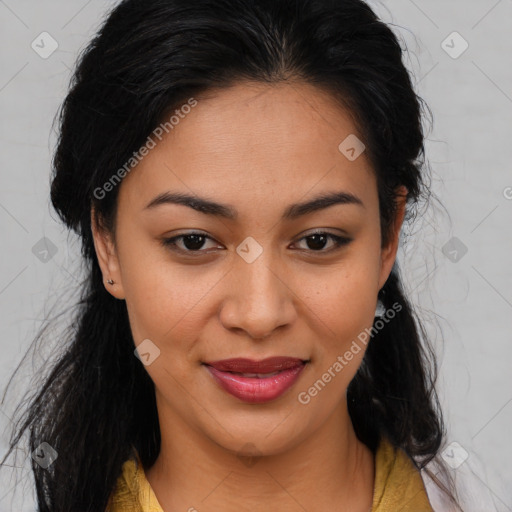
250	279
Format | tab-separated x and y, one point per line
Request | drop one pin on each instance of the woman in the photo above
239	172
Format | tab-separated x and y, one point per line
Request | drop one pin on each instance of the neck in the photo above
329	468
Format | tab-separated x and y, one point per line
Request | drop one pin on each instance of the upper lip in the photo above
244	365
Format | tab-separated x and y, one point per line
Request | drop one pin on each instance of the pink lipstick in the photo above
256	381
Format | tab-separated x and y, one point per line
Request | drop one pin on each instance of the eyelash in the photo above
339	242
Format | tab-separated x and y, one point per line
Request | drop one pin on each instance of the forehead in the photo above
252	142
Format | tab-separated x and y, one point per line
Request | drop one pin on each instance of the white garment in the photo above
473	494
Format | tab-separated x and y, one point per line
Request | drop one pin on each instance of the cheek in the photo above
163	309
346	297
345	308
345	314
167	302
355	300
166	307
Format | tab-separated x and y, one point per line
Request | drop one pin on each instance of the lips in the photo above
256	381
269	365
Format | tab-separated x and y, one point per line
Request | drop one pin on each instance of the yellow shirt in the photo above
398	486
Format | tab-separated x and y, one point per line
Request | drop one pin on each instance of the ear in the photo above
388	253
107	257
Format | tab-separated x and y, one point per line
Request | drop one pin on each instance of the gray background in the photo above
465	297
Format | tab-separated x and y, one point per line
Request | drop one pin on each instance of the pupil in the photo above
316	238
197	241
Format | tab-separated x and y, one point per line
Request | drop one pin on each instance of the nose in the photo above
260	300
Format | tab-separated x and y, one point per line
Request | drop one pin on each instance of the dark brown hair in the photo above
148	58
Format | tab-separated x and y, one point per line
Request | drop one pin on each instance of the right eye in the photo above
192	242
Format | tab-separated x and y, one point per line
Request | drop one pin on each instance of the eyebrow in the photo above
292	212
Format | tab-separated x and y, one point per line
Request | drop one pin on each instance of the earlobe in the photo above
388	253
107	257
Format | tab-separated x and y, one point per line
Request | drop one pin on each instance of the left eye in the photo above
193	242
318	239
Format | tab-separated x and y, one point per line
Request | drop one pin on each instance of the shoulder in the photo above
398	483
132	492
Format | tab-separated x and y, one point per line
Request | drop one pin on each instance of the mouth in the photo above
256	381
265	366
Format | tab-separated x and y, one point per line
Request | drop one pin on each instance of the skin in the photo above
257	148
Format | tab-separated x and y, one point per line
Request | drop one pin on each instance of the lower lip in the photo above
253	389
